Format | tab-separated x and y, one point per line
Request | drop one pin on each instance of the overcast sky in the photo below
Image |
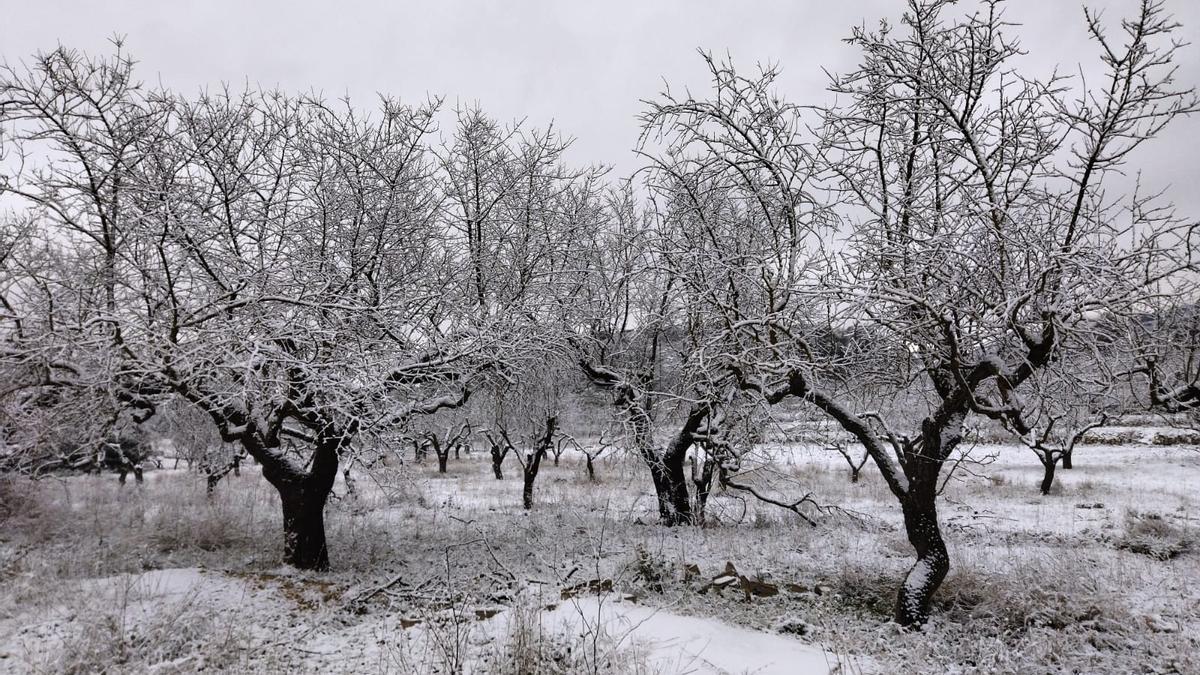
584	65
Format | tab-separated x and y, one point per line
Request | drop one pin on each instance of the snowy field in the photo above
446	573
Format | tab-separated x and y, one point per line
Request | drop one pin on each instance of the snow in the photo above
685	644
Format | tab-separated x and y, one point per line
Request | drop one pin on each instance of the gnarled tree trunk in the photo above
303	495
933	561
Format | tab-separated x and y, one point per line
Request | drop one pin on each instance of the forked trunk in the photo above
302	496
670	485
533	461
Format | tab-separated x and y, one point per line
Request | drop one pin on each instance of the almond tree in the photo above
279	262
634	341
981	244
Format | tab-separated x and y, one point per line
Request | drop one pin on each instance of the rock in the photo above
723	581
760	589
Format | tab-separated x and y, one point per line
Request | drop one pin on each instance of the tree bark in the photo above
498	463
702	477
303	495
304	544
534	461
1048	465
1066	458
933	561
527	488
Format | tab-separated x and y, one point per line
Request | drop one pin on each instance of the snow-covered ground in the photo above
446	573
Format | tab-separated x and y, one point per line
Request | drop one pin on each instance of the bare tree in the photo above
278	262
979	250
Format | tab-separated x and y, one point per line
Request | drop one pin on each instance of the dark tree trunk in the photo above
527	487
677	493
498	462
666	466
933	561
855	473
670	484
534	461
1066	458
441	451
1048	464
591	469
940	434
702	477
237	465
304	529
303	496
137	474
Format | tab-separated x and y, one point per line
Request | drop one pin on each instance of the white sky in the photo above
584	65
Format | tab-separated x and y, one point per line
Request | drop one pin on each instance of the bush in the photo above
1152	535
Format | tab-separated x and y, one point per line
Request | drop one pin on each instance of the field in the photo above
446	573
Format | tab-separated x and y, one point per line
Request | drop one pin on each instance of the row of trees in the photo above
943	245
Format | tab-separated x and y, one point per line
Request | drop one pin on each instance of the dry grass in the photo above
1038	583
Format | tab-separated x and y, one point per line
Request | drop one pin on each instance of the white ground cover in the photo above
160	579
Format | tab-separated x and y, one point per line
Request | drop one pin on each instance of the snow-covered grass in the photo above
438	573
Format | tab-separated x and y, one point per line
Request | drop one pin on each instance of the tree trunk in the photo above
933	561
443	458
533	461
702	477
1048	465
304	530
591	469
527	489
1066	458
498	463
302	496
674	503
